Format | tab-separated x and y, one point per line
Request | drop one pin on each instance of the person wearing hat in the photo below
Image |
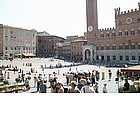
87	88
104	88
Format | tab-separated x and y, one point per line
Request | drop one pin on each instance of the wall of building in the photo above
76	50
18	41
1	40
121	43
47	46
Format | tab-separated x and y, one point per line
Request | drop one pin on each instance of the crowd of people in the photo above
80	82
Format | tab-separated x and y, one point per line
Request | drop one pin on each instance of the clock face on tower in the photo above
129	20
90	28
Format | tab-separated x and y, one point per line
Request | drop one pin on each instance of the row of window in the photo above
121	47
18	48
76	53
121	58
20	52
22	33
126	33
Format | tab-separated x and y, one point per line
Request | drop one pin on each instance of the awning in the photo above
18	54
131	69
28	54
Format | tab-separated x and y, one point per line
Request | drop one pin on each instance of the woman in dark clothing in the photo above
126	86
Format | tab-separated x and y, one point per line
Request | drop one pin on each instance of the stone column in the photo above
83	54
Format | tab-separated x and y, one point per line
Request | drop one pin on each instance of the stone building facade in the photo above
119	44
76	50
71	50
1	40
48	45
16	41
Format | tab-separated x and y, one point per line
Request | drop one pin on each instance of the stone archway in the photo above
89	53
108	58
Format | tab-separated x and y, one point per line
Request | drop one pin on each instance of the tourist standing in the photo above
93	77
96	87
105	88
43	87
110	74
73	88
35	80
87	88
27	83
80	85
22	76
97	75
126	86
59	88
38	84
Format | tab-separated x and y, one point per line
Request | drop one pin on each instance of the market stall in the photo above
133	75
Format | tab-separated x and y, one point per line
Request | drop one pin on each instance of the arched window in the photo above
107	47
120	33
107	34
102	58
133	58
114	47
114	57
133	47
132	32
126	47
126	33
121	58
108	58
120	47
102	47
102	34
127	58
113	34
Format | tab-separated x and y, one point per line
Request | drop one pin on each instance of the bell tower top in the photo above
92	15
92	20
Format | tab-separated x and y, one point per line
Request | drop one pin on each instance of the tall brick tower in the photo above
92	21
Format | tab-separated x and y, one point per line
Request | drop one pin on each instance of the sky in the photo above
59	17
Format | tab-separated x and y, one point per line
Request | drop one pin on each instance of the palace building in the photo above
119	44
17	41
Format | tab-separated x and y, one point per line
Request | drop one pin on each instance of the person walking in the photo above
93	77
105	88
38	84
43	87
110	74
96	87
35	80
87	88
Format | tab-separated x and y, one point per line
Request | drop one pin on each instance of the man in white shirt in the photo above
87	88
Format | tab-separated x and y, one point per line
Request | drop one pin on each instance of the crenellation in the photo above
126	29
